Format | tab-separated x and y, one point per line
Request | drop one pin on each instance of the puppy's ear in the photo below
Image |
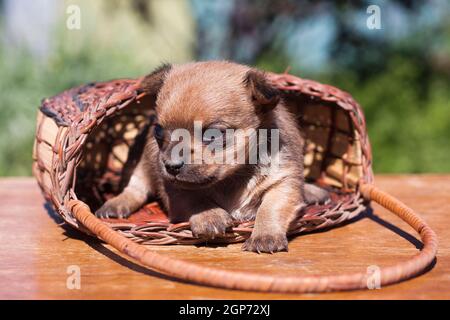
264	96
152	83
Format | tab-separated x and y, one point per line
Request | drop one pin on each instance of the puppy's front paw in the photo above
268	243
114	208
210	224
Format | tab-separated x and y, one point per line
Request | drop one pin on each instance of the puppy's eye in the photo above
158	132
213	135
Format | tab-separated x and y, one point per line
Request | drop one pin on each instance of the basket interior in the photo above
333	154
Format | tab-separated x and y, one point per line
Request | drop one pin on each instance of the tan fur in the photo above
214	196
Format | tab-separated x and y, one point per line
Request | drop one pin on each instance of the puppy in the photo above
225	101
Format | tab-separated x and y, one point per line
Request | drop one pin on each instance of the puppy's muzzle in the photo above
173	167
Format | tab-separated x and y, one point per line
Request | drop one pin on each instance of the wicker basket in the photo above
86	143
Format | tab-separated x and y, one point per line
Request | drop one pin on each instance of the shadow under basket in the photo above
88	140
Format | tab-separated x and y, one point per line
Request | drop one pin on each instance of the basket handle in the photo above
270	283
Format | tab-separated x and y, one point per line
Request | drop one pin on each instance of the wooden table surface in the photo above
35	252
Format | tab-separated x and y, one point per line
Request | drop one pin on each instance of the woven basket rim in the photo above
69	109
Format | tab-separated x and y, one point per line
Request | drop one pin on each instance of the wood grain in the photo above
35	252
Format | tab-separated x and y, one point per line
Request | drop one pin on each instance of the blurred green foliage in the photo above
408	116
405	96
408	132
405	100
24	84
80	57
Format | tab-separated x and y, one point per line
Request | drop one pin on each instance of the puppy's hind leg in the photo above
315	194
132	197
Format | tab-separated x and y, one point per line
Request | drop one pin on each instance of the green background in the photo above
402	84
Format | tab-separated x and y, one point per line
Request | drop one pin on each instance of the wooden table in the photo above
35	252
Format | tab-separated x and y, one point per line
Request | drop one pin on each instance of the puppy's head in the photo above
208	113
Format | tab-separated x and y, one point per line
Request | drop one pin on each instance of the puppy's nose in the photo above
173	167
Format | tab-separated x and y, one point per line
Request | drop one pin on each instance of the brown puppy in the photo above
230	102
